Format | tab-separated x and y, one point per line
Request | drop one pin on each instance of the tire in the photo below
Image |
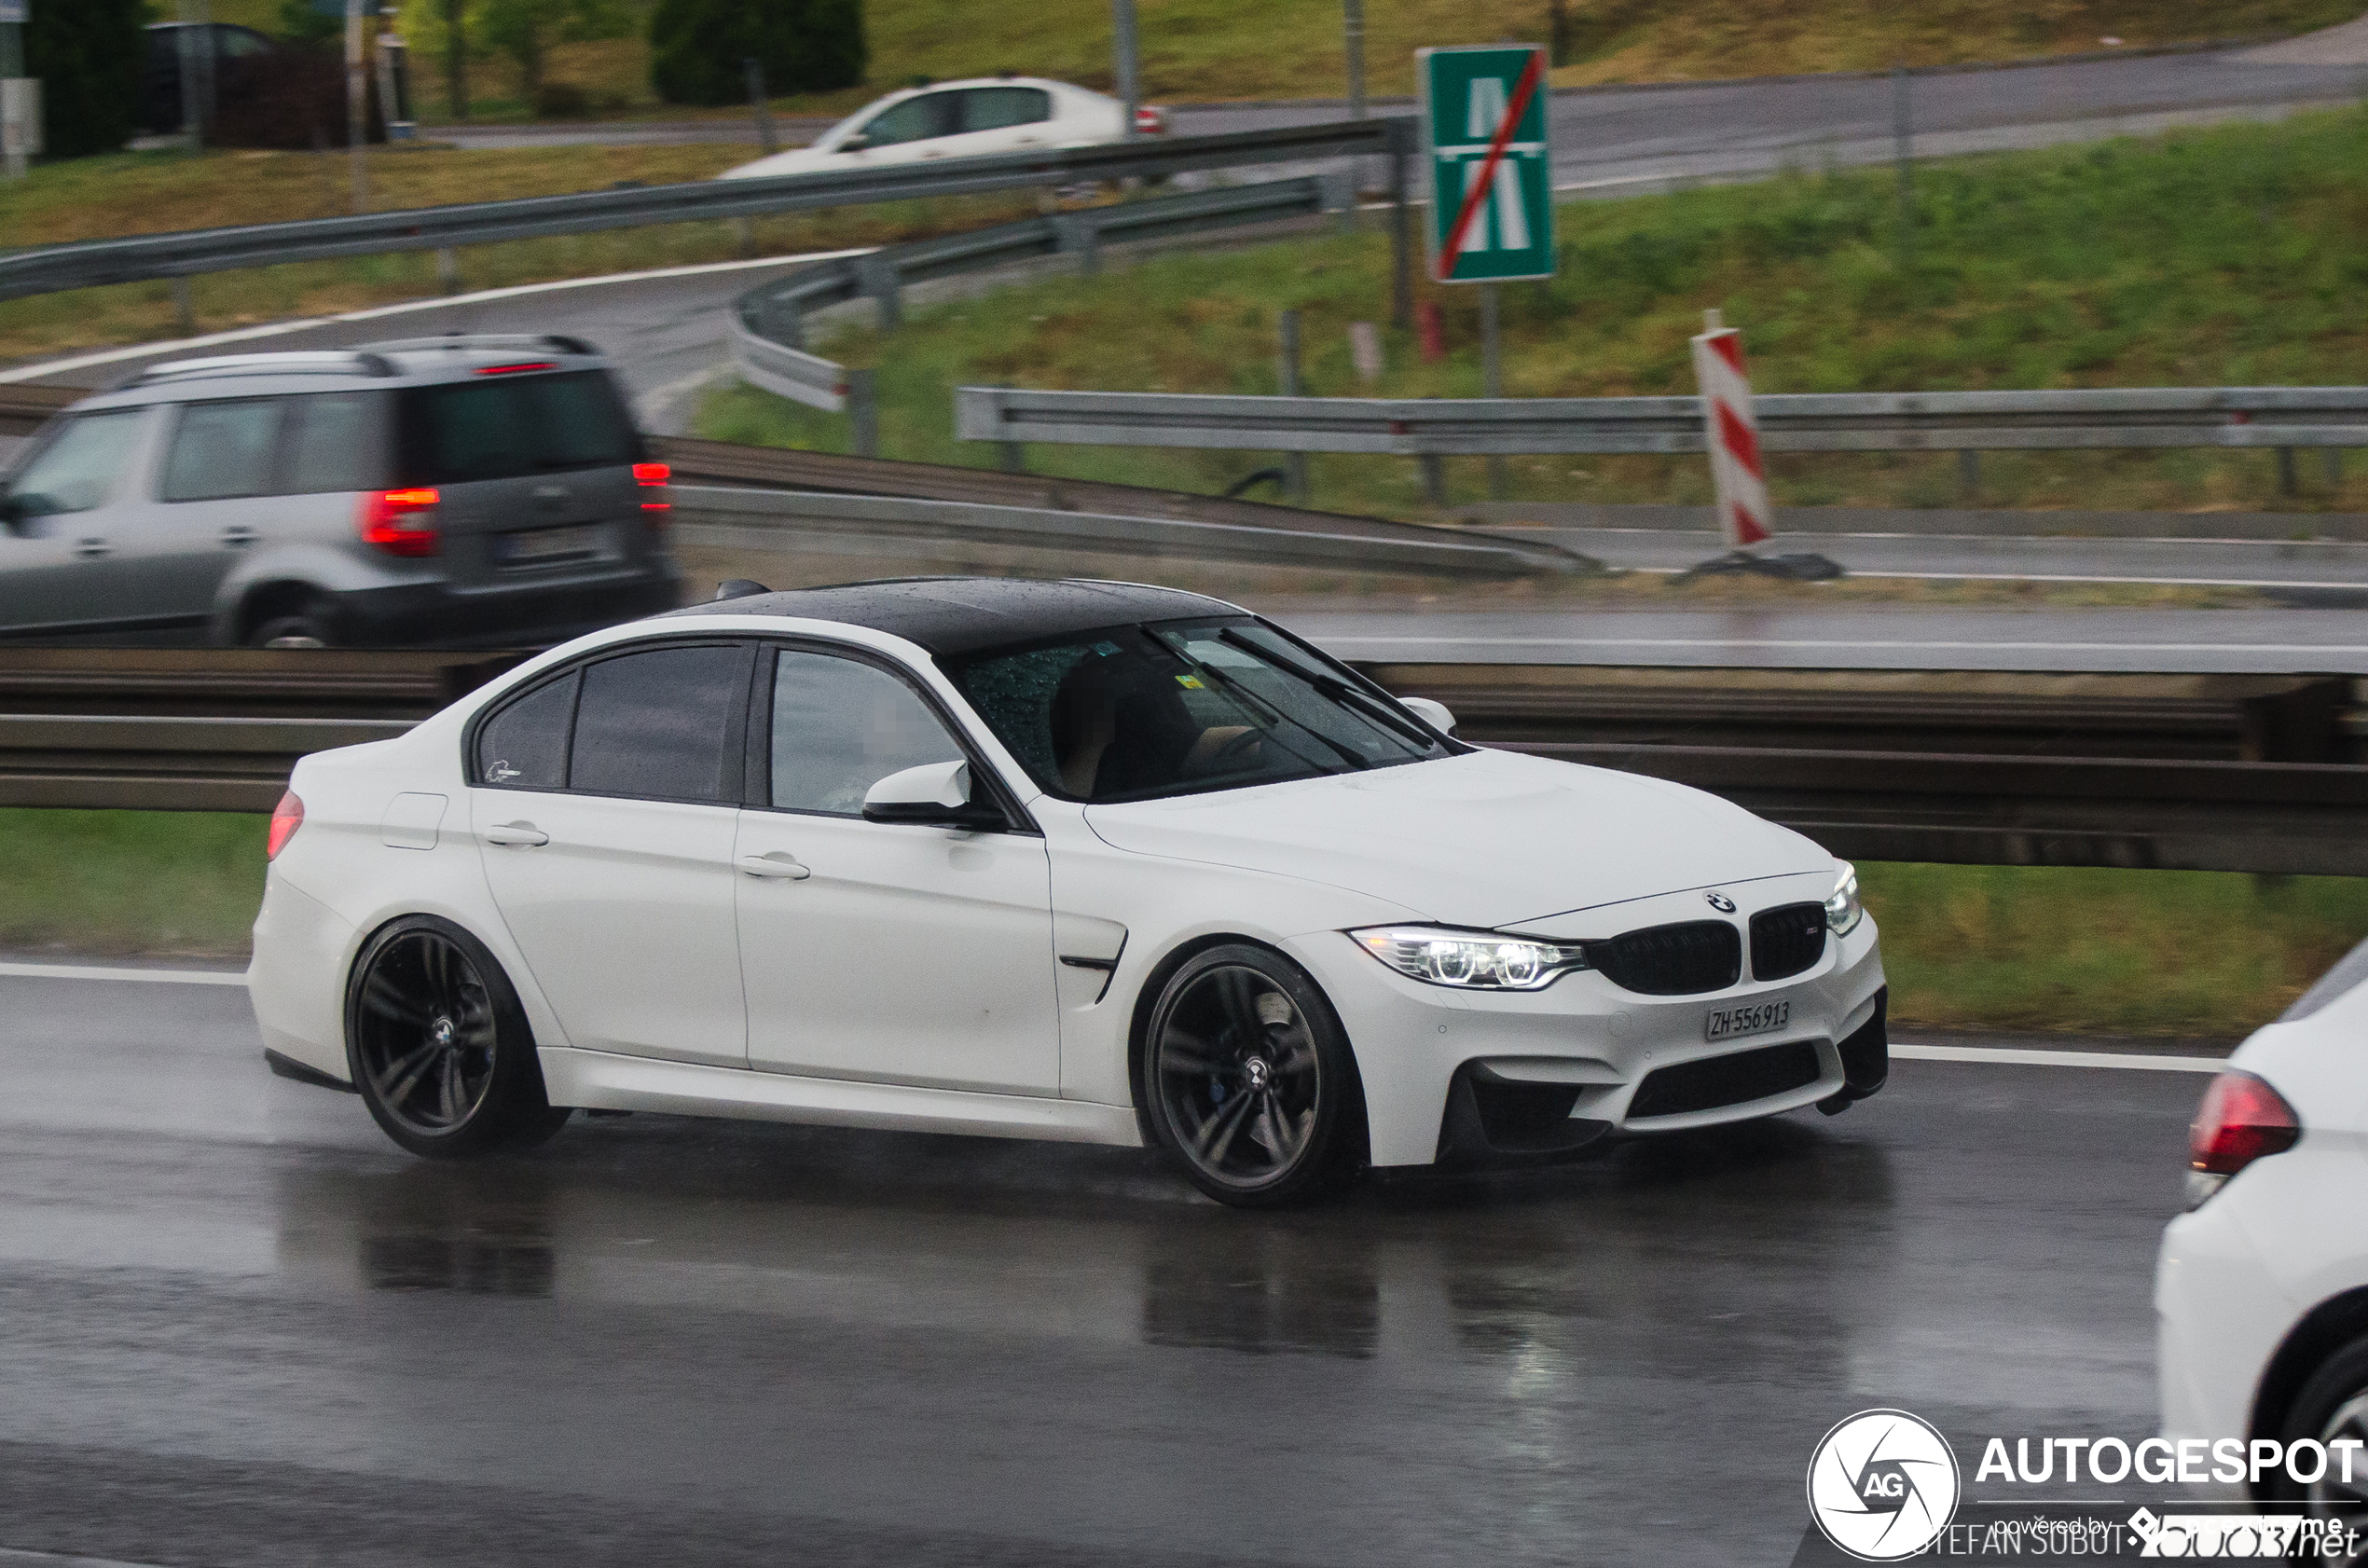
1249	1081
2333	1403
439	1046
306	624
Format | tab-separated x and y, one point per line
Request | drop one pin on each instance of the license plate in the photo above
548	544
1753	1018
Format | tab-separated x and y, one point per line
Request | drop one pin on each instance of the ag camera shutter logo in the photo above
1882	1485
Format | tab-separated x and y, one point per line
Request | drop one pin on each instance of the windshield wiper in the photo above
1259	708
1341	691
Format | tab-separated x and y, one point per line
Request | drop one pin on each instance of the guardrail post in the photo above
1969	474
1286	382
2330	462
1434	479
180	310
1402	238
876	275
2288	483
448	270
1077	234
1336	193
863	413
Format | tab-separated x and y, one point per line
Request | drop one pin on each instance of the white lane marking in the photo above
1336	640
2051	577
122	971
51	1560
304	324
2002	1056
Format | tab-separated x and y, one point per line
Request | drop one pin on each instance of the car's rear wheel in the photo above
1248	1080
307	622
442	1052
2331	1406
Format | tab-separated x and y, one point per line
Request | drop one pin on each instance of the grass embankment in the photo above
153	192
2083	952
2236	255
1197	50
176	882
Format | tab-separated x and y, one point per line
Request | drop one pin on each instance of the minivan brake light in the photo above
400	522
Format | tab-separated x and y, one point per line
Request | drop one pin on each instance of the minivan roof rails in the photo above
324	362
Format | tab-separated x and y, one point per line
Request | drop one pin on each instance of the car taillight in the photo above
286	818
652	476
400	522
520	369
1150	121
2241	1120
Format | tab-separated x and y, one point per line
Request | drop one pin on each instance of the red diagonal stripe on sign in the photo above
1738	439
1747	528
1729	346
1523	90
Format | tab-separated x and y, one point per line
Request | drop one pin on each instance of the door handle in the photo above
780	863
92	549
524	836
237	534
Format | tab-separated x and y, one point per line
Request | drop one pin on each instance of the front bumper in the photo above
1496	1076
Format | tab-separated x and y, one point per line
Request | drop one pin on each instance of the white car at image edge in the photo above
2262	1289
1074	860
961	119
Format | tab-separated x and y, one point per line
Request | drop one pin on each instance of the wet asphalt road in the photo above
238	1328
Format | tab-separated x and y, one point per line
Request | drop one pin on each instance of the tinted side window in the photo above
659	723
524	746
224	449
504	427
78	469
916	119
994	108
840	726
338	441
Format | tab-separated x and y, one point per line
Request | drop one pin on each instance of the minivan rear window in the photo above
509	427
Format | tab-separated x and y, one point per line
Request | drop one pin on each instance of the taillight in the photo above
400	522
652	476
286	818
518	369
2241	1120
1150	121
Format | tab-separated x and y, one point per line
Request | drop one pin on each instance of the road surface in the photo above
241	1330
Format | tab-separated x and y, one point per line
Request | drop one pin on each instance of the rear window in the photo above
510	427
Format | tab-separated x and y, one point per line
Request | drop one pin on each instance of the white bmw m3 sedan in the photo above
1076	860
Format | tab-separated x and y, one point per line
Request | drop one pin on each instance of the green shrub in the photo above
698	48
90	56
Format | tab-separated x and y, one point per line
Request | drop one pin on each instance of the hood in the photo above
1492	839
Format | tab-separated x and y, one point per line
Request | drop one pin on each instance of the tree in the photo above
308	23
698	48
525	30
90	56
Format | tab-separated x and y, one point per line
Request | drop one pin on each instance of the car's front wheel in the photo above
441	1049
1249	1079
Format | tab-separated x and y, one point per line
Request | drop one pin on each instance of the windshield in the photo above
1137	712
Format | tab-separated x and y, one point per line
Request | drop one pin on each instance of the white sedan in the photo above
2262	1289
962	120
1075	861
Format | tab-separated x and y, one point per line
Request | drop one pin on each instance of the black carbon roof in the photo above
957	615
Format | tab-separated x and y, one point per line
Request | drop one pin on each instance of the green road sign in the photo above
1492	175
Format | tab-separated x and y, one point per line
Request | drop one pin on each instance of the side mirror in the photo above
935	794
854	144
1434	714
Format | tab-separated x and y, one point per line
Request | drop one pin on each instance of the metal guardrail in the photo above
1927	803
871	524
1788	422
141	257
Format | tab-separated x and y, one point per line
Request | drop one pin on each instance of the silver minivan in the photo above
487	492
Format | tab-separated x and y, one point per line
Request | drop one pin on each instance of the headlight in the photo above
1472	960
1843	912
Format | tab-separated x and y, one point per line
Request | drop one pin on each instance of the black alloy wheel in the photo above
1248	1079
441	1050
2332	1406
